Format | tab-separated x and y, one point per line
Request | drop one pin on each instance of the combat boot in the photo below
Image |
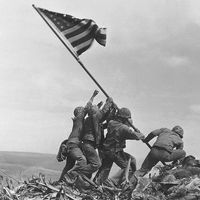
70	178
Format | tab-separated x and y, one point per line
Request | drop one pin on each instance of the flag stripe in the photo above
85	36
74	28
85	28
102	36
84	46
64	38
78	37
80	33
79	52
83	39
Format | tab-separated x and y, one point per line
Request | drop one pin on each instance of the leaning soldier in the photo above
74	150
167	148
119	131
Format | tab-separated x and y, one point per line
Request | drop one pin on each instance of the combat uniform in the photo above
190	167
92	137
168	147
63	155
74	151
113	146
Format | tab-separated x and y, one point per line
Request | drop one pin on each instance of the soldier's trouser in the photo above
120	158
157	154
76	154
70	162
93	160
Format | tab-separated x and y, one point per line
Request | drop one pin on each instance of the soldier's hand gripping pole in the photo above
137	130
148	145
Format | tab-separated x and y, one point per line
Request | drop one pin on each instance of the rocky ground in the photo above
171	182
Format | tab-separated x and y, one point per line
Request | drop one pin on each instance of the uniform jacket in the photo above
92	124
166	139
117	135
77	128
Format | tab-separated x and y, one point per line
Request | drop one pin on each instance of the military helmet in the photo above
124	113
78	110
189	161
178	130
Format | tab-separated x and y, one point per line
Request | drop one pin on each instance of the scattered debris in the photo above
163	186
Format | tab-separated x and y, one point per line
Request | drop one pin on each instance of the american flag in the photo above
79	32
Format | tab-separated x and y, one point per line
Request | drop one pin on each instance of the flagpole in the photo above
82	65
78	60
73	54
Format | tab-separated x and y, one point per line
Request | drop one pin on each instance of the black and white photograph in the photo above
100	100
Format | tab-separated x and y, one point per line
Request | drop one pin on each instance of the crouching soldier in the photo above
119	131
190	167
167	148
190	161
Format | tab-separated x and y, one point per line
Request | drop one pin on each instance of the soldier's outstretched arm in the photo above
107	105
93	95
89	103
129	133
103	113
149	137
139	135
153	134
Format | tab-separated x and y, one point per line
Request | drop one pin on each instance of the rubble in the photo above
162	186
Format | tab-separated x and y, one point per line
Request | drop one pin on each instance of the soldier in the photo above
190	161
74	150
61	156
119	131
93	135
168	147
190	167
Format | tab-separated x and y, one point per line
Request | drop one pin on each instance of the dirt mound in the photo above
165	185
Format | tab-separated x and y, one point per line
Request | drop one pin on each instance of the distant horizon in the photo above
26	161
27	152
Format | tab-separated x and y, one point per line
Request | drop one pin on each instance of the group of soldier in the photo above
98	139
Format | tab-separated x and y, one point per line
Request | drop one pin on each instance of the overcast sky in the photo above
150	65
